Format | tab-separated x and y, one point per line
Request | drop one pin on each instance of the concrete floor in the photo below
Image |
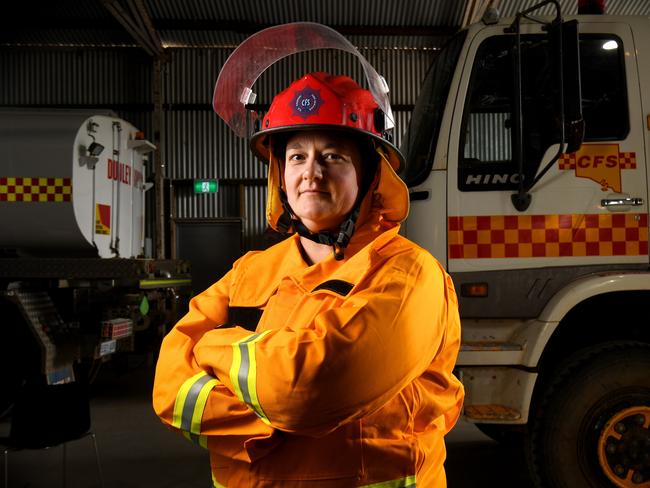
137	451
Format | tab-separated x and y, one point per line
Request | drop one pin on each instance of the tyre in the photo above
592	427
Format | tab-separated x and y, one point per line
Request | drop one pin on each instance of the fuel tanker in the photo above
76	285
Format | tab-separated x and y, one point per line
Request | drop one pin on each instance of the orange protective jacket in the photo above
337	374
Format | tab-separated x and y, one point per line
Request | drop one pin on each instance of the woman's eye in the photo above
295	157
332	157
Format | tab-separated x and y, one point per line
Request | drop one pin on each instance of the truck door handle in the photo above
613	202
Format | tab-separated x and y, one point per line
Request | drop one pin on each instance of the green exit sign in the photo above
205	186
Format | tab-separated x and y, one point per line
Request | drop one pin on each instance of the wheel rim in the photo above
624	447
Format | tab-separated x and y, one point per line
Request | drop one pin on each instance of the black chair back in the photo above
48	415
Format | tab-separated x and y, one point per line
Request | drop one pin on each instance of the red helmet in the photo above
323	101
316	101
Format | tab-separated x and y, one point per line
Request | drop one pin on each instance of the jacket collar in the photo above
371	236
263	272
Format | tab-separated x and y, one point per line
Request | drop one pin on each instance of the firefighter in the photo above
325	360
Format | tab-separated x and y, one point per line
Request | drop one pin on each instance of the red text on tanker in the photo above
122	172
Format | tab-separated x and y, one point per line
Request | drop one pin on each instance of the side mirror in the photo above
564	38
565	82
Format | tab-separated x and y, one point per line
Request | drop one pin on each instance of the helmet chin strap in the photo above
339	239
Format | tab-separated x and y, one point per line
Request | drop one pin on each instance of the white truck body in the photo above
539	286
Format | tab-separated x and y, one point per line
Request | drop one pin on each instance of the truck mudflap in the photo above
59	341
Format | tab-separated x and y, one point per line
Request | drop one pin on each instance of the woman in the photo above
325	360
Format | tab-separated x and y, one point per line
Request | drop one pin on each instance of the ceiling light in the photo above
609	45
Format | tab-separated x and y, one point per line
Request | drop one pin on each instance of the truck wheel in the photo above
593	424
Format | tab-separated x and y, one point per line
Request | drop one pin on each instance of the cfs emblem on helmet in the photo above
306	102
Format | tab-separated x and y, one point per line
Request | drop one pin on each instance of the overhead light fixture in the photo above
610	45
95	149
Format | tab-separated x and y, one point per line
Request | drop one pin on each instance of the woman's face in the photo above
322	171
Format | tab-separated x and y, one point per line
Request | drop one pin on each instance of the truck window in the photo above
486	138
604	93
419	142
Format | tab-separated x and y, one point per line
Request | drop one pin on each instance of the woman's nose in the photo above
313	169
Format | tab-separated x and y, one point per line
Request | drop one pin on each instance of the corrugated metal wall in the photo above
487	138
331	12
196	143
73	77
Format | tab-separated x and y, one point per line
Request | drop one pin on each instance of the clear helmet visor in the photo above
234	88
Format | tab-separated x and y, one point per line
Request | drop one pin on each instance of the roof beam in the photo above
140	11
135	25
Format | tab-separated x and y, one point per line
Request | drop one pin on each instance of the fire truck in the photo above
76	287
527	158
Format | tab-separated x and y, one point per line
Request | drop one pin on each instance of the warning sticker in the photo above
601	163
102	219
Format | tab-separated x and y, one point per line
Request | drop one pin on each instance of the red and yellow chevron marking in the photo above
537	236
601	163
626	160
29	189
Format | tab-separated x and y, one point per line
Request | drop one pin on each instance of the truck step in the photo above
483	413
490	346
46	324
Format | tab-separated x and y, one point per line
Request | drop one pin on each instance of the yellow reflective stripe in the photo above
202	441
199	440
189	406
234	368
408	482
199	406
252	381
215	483
243	372
177	417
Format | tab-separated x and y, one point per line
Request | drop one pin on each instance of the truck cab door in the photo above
590	208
